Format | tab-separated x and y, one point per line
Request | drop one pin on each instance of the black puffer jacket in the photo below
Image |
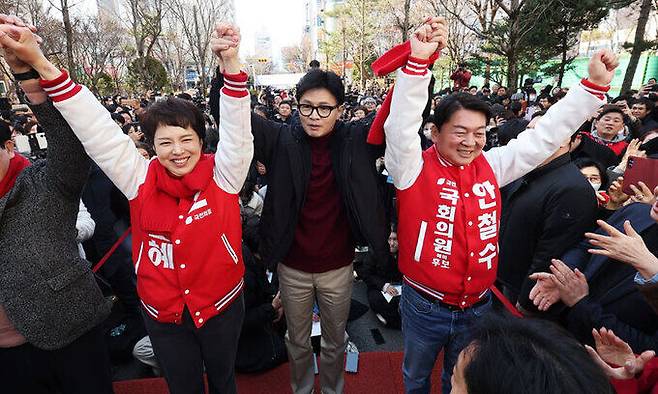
286	153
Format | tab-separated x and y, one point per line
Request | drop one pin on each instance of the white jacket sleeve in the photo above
103	140
403	155
236	147
533	146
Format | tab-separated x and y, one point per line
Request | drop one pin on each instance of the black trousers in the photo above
389	310
80	368
183	350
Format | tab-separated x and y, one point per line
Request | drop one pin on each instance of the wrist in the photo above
597	84
231	66
575	301
46	69
648	267
420	57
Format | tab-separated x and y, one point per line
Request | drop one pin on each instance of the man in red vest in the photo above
449	200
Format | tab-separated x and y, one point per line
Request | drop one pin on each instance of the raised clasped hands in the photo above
430	37
225	43
21	47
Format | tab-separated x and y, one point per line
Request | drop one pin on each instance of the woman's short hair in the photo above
172	111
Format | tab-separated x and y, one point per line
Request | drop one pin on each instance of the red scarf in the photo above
171	194
16	166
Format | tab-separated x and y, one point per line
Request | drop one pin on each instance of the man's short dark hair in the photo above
320	79
610	108
5	133
514	356
622	97
286	102
118	118
648	104
516	107
172	111
453	103
314	64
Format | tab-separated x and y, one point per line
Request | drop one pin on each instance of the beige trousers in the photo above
333	290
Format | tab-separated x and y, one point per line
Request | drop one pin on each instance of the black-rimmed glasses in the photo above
323	110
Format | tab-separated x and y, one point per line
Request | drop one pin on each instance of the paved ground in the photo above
359	331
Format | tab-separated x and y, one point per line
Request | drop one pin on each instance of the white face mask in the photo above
427	133
596	186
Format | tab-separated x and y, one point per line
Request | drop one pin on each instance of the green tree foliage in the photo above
147	74
556	34
357	27
526	34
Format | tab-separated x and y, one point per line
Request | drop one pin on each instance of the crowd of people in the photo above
244	214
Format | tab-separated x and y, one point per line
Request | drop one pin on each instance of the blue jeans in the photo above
427	328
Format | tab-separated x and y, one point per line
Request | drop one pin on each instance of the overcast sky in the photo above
283	19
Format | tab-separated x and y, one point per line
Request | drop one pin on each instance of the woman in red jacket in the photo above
184	210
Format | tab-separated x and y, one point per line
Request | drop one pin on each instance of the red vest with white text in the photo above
198	265
448	230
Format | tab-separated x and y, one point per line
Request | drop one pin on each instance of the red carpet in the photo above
379	373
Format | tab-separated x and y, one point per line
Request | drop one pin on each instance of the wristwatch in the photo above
26	76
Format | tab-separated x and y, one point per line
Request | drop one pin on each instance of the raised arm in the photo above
403	156
235	149
68	164
533	146
101	138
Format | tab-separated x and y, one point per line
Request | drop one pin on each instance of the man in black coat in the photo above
544	214
322	200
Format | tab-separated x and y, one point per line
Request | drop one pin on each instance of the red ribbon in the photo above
111	251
